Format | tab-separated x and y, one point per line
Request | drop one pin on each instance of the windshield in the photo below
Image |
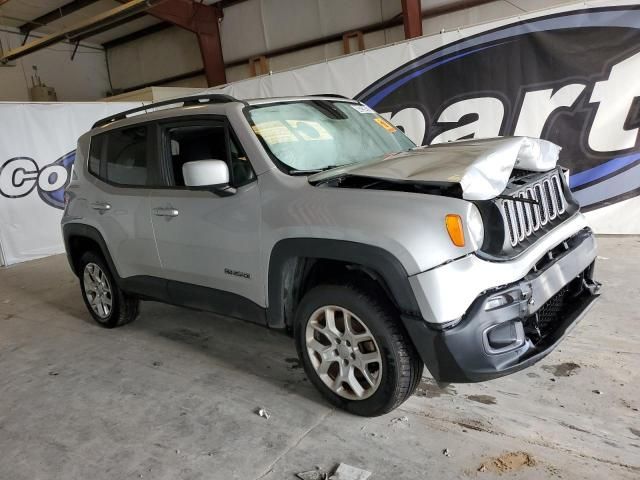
314	135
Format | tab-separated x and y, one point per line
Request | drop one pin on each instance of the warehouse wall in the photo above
160	55
84	78
257	26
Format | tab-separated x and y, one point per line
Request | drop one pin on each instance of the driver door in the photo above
205	239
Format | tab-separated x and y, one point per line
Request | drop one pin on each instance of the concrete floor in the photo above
173	395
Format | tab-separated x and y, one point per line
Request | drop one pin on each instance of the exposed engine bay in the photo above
469	169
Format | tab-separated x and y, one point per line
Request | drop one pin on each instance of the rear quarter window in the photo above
95	154
120	156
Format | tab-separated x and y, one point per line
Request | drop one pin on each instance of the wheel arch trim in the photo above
75	230
380	261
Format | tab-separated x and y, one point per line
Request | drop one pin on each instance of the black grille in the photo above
531	206
552	310
521	219
546	319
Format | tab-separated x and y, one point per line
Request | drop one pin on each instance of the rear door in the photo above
205	239
122	168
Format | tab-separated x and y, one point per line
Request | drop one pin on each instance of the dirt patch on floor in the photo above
565	369
573	427
486	399
187	336
476	425
507	462
294	362
430	389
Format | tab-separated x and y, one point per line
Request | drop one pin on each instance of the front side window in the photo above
207	141
314	135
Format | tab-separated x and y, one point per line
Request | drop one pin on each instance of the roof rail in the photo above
192	100
335	95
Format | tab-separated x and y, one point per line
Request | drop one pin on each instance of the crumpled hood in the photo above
481	167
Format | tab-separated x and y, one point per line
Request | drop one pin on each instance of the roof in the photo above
202	100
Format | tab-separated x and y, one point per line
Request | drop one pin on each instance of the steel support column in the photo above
211	51
203	21
412	18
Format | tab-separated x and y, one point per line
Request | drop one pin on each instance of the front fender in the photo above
379	261
410	226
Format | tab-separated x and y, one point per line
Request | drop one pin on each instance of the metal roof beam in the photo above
107	27
130	37
57	14
92	24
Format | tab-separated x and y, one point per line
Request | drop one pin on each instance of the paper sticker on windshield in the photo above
274	132
384	124
309	131
362	108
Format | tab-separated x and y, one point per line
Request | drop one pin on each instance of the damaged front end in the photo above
528	281
519	191
509	328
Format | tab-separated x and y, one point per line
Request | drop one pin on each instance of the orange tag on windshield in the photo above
384	124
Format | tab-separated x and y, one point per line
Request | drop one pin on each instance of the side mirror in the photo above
206	173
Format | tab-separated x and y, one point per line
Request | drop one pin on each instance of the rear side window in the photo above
120	156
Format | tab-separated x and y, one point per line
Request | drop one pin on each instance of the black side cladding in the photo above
383	263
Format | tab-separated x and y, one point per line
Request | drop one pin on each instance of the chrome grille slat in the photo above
527	217
551	204
510	212
544	217
523	219
520	220
534	209
557	190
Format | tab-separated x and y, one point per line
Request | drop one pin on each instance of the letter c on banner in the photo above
18	177
52	178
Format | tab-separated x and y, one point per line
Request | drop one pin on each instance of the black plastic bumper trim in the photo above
459	354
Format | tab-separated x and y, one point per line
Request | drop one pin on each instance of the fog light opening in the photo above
504	337
498	301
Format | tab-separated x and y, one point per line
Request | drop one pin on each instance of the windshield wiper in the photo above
518	199
295	171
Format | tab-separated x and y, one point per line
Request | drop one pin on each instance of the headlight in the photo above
475	228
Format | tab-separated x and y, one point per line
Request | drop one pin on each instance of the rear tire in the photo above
354	349
108	305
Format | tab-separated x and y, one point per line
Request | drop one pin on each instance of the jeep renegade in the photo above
317	216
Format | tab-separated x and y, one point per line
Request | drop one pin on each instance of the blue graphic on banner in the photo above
19	176
592	52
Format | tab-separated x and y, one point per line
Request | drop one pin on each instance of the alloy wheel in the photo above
343	352
97	290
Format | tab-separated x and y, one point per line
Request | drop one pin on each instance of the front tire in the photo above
354	349
108	305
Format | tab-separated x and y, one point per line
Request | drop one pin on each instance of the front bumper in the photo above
511	327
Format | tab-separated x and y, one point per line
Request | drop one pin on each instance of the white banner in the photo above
37	149
568	75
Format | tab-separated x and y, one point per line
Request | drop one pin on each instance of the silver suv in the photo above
316	216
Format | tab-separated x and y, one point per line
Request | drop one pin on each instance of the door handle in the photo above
165	212
101	206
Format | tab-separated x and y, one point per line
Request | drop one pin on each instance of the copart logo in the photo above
20	176
571	78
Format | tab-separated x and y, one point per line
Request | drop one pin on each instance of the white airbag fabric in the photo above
537	155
